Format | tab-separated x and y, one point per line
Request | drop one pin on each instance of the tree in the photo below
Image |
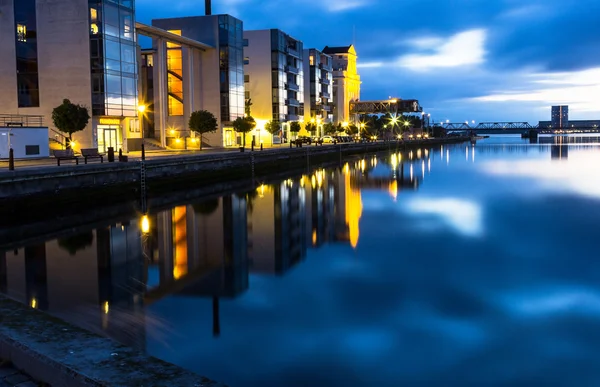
273	127
244	125
75	243
295	127
312	128
248	107
70	118
329	128
352	130
202	121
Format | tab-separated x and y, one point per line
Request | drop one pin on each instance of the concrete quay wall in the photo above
166	173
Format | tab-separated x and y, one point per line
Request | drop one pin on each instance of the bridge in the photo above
516	128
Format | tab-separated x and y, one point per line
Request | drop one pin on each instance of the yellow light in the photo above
312	120
106	307
142	108
172	131
145	224
319	179
261	191
109	121
344	124
314	237
73	144
302	181
394	161
346	169
194	140
178	140
406	123
33	303
313	181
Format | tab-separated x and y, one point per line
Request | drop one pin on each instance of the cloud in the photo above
463	49
578	89
462	215
344	5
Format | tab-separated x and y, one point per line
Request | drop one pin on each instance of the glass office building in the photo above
113	56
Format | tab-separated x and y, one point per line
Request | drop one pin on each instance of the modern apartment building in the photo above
82	50
346	81
560	117
318	88
207	75
274	79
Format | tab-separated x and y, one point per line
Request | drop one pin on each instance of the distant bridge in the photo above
393	106
515	127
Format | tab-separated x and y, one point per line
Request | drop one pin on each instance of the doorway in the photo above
108	136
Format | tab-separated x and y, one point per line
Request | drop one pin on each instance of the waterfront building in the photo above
318	88
203	70
560	117
274	80
276	227
81	50
346	81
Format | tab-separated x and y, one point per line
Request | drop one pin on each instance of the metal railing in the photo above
19	120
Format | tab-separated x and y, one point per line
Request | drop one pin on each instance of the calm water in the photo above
459	265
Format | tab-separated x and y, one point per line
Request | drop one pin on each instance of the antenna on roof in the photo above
207	7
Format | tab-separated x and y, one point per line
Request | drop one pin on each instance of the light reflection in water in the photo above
478	267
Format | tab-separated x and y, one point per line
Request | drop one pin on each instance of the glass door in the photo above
107	137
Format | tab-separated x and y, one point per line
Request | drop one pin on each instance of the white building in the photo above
274	82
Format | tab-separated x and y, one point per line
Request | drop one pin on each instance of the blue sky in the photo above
482	60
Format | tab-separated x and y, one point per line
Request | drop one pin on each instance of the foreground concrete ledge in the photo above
52	351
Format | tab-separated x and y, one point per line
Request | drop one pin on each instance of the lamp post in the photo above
141	111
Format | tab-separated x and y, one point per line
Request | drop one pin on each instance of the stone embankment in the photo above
122	180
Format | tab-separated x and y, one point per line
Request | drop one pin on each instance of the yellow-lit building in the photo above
346	81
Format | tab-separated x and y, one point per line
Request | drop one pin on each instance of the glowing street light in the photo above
141	108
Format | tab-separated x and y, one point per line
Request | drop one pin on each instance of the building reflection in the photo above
103	278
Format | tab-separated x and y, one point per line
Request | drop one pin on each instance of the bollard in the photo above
143	152
290	144
252	147
111	154
120	154
11	160
261	146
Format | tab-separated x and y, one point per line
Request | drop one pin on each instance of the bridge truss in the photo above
489	126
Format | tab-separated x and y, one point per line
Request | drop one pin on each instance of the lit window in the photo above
21	33
94	29
93	14
312	60
246	60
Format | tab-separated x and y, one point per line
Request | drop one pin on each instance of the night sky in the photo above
482	60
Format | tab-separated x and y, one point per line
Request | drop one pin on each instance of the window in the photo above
94	29
311	60
247	94
32	150
246	78
246	60
246	42
21	33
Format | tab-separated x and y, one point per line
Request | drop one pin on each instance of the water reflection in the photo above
410	268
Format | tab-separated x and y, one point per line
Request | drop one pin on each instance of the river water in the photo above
457	265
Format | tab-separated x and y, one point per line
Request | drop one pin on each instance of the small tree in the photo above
312	128
352	130
201	122
70	118
295	127
329	128
248	107
244	125
273	127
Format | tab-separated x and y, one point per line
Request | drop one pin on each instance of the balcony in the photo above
292	102
324	66
292	69
327	108
325	94
292	86
292	117
293	52
325	81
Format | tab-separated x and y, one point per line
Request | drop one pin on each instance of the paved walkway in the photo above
11	377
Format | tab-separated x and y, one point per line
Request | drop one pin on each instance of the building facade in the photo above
274	80
81	50
210	78
560	117
346	81
318	88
